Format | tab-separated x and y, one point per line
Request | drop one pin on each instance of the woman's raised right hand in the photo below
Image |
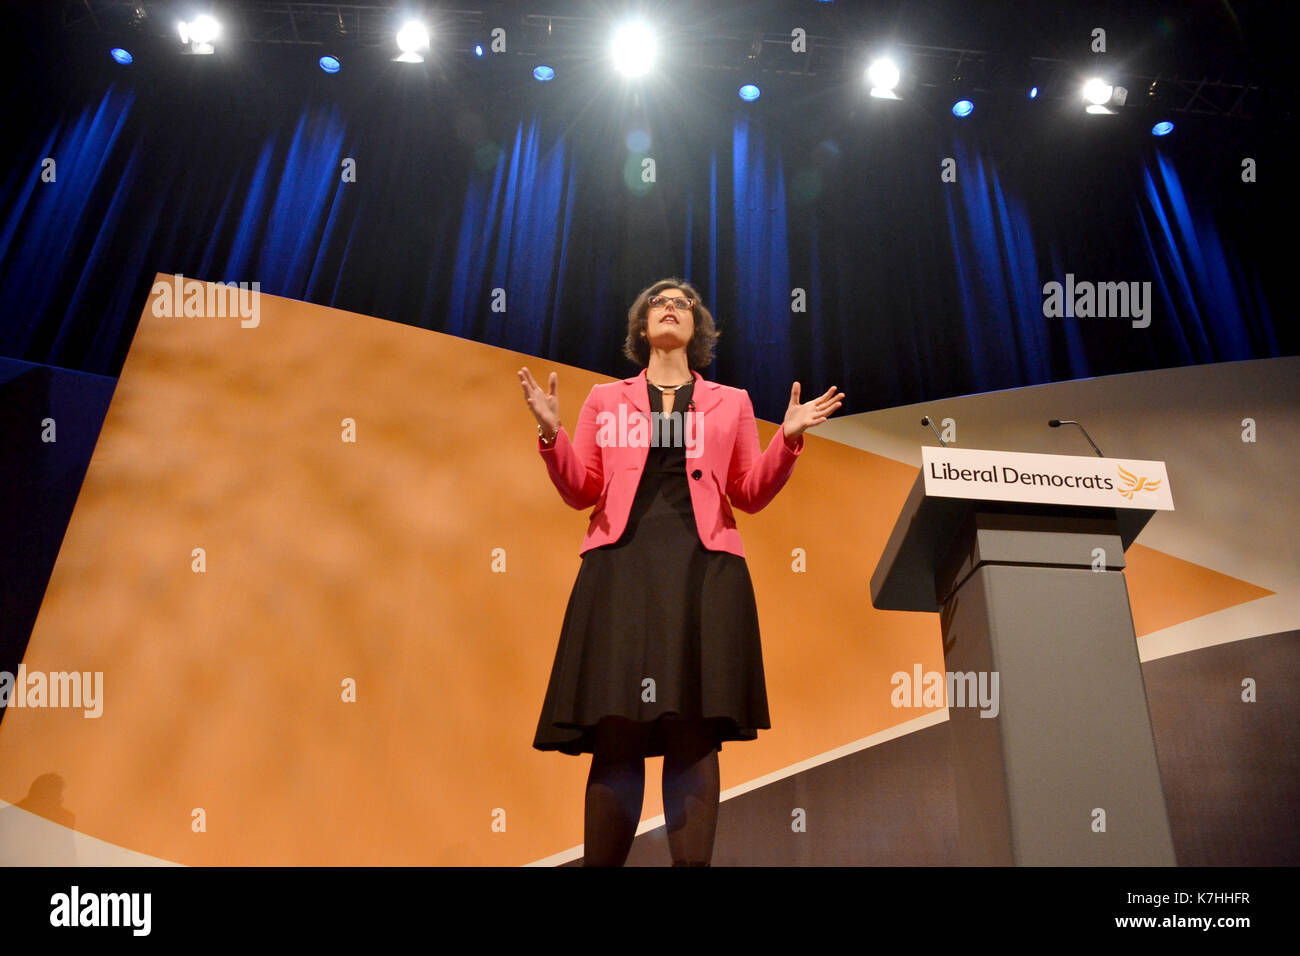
545	405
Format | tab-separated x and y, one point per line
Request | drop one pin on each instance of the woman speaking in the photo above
659	653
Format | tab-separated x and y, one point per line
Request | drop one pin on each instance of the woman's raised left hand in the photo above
799	418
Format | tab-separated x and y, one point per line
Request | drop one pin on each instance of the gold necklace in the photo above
671	388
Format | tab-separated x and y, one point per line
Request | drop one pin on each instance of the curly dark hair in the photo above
699	351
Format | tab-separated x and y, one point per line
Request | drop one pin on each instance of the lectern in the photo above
1022	556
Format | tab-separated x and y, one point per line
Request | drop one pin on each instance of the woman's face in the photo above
668	325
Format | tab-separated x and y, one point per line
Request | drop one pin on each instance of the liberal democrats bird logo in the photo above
1134	483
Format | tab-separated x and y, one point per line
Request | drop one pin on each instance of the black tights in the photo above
616	787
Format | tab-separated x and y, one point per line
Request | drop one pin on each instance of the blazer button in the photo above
696	474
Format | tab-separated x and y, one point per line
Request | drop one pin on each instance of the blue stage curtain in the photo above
913	288
1209	293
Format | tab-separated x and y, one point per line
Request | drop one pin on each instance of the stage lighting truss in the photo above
566	40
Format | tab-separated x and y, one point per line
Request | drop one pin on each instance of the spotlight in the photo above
413	41
749	92
1033	92
634	49
330	64
121	56
198	34
478	49
883	76
204	29
1101	96
1097	91
1160	100
543	74
968	79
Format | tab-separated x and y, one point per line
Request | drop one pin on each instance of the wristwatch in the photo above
542	436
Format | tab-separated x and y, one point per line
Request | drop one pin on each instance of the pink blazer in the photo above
603	462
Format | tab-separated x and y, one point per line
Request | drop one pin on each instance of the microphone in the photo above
1057	423
925	420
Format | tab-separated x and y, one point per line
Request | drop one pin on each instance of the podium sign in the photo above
1088	481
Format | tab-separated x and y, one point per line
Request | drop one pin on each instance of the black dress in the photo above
657	624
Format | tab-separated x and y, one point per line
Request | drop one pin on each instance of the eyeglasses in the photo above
659	302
